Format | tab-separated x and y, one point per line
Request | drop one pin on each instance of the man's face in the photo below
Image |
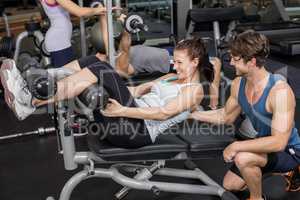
241	68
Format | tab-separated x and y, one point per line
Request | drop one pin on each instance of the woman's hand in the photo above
213	106
101	10
113	109
191	116
195	115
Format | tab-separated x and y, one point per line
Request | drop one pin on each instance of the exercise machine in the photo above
283	34
187	143
7	43
219	21
180	146
33	29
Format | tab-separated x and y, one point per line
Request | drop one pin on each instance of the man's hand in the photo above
122	18
230	152
193	115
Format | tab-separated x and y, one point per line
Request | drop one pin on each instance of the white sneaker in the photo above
17	95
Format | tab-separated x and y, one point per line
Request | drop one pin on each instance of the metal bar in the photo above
217	36
281	9
192	174
39	35
164	186
39	131
118	4
66	138
8	33
79	177
20	37
111	51
82	33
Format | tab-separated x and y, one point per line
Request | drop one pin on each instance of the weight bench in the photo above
186	144
221	21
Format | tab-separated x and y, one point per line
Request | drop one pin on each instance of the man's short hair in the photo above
250	44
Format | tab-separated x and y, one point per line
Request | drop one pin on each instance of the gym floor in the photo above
31	168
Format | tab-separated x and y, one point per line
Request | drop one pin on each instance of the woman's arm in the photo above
78	11
215	85
141	89
188	98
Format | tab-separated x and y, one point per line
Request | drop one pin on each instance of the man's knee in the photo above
242	160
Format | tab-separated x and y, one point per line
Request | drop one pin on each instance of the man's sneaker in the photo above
293	180
17	95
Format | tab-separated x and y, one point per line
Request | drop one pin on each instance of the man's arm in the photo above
225	115
282	105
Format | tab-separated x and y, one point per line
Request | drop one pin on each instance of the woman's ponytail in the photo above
207	69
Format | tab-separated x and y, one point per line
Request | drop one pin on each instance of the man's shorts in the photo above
280	162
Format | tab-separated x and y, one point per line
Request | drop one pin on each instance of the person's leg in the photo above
74	84
119	131
73	65
62	72
70	87
249	165
233	182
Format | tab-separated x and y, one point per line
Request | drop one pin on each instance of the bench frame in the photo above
143	173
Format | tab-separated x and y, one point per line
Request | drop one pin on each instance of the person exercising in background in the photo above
58	37
269	103
132	60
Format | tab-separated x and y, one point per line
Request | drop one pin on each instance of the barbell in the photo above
133	24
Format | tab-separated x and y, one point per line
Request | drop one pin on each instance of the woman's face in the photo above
184	66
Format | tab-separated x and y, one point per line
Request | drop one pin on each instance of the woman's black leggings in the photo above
119	131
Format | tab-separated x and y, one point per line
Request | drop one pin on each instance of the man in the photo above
269	103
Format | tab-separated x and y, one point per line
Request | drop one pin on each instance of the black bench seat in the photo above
167	146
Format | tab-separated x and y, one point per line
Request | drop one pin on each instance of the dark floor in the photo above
31	169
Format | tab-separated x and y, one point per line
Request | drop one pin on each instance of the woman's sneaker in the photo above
17	95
